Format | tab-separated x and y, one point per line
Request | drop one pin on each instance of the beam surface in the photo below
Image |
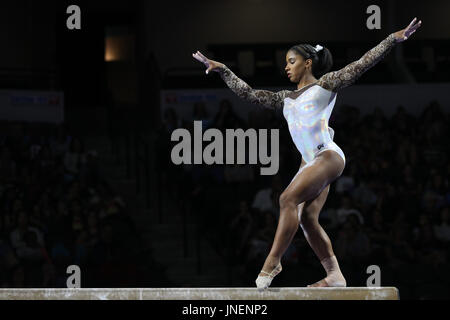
288	293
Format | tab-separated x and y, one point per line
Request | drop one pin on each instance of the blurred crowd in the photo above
389	208
57	210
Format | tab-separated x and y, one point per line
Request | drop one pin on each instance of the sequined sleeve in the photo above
344	77
266	98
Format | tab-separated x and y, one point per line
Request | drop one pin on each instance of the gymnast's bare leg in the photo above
319	241
307	185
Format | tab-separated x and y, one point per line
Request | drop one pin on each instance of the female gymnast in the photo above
307	111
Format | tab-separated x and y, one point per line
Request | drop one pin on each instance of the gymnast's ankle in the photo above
270	263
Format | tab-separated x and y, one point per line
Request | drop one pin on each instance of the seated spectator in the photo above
328	218
74	159
424	237
238	173
33	257
60	142
441	226
81	248
435	190
378	231
346	209
365	195
37	219
199	113
171	122
57	213
92	228
260	243
346	182
226	118
18	236
241	227
267	199
399	251
402	120
388	199
8	166
352	244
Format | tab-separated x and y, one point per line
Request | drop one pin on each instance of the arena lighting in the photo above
119	47
113	48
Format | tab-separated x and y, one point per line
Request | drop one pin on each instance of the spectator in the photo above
364	195
266	199
7	164
74	158
241	227
352	244
262	239
399	252
199	113
226	118
238	173
346	182
424	237
441	226
20	237
378	233
40	211
346	209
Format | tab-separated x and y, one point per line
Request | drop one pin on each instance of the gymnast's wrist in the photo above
393	38
221	68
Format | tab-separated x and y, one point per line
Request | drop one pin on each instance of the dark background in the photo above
100	191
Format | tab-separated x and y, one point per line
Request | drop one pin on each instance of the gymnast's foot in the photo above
271	268
334	280
334	275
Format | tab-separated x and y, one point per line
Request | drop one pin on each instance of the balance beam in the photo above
348	293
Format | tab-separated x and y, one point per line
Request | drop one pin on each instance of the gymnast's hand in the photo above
211	65
404	34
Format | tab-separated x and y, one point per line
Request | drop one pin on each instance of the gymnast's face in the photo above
296	66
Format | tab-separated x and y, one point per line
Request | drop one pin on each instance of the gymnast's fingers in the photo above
411	23
196	56
201	55
199	58
414	26
417	25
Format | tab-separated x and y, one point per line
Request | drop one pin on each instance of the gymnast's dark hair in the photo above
322	61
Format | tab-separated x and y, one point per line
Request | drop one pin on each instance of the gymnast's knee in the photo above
288	200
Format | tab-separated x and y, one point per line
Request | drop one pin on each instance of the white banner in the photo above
32	106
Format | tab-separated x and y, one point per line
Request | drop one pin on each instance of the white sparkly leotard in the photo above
308	109
307	117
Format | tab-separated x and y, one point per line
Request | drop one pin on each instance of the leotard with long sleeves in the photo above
308	109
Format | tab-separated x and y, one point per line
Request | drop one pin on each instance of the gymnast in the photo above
307	111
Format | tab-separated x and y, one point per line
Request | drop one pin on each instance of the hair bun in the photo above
318	47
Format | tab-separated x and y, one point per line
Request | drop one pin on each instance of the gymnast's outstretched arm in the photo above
266	98
243	90
344	77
